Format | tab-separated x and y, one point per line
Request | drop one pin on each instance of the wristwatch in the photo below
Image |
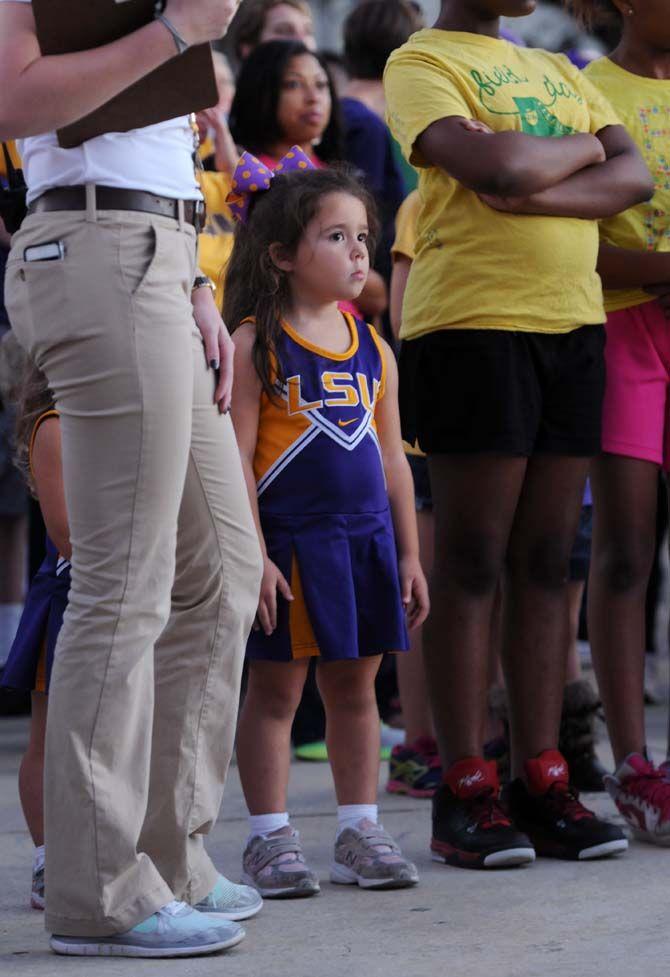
203	281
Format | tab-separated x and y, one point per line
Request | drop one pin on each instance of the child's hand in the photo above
273	581
508	205
474	125
414	591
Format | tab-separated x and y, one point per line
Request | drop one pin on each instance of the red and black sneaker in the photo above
470	828
553	817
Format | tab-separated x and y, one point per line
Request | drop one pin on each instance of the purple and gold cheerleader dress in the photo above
323	504
30	660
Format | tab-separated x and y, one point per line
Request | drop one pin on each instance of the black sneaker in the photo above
555	820
470	828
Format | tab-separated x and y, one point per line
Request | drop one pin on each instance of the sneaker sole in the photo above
36	902
547	849
232	916
290	892
397	787
661	841
341	875
127	950
602	851
507	858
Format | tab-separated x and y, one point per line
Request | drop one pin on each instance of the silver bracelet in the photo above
179	41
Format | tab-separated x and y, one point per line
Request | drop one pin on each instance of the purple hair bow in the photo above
251	177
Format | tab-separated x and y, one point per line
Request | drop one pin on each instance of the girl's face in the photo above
647	20
331	263
304	105
286	23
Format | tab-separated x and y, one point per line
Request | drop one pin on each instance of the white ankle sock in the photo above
348	815
38	860
265	824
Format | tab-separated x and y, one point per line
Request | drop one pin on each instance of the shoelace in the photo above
566	803
652	788
173	908
487	811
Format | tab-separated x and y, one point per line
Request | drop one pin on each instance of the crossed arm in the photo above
579	175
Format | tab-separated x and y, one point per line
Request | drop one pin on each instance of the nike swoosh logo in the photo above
347	423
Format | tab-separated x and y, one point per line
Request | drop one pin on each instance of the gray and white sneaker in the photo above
368	856
176	930
230	901
37	887
274	864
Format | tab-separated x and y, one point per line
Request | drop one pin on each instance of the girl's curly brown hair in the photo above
255	287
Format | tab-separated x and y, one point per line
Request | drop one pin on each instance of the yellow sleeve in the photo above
601	112
420	90
405	226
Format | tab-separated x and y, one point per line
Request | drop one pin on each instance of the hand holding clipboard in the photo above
182	85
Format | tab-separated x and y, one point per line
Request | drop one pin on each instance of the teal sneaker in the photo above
176	930
230	901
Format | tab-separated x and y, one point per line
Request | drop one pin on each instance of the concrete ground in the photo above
600	918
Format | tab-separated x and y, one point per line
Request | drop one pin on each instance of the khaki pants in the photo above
165	567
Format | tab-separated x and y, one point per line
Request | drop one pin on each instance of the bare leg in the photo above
475	498
536	602
493	726
410	668
264	732
575	596
352	727
13	545
624	495
31	771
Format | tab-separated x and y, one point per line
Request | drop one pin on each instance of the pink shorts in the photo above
636	408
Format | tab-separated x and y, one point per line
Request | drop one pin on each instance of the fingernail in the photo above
214	364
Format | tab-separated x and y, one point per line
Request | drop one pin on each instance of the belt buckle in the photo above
199	215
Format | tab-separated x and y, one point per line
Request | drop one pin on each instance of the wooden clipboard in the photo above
182	85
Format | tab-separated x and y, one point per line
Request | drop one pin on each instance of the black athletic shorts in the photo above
492	390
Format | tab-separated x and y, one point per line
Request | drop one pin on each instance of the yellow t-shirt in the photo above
643	104
405	226
476	268
215	244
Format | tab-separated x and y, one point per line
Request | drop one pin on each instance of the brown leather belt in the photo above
115	198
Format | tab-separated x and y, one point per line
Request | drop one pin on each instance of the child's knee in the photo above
543	563
472	561
277	693
624	567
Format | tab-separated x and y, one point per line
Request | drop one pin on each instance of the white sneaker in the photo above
176	930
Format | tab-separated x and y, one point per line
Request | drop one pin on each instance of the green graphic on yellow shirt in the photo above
537	120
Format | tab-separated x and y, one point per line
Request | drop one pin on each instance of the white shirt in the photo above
158	159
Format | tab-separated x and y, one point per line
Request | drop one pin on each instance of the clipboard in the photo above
182	85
